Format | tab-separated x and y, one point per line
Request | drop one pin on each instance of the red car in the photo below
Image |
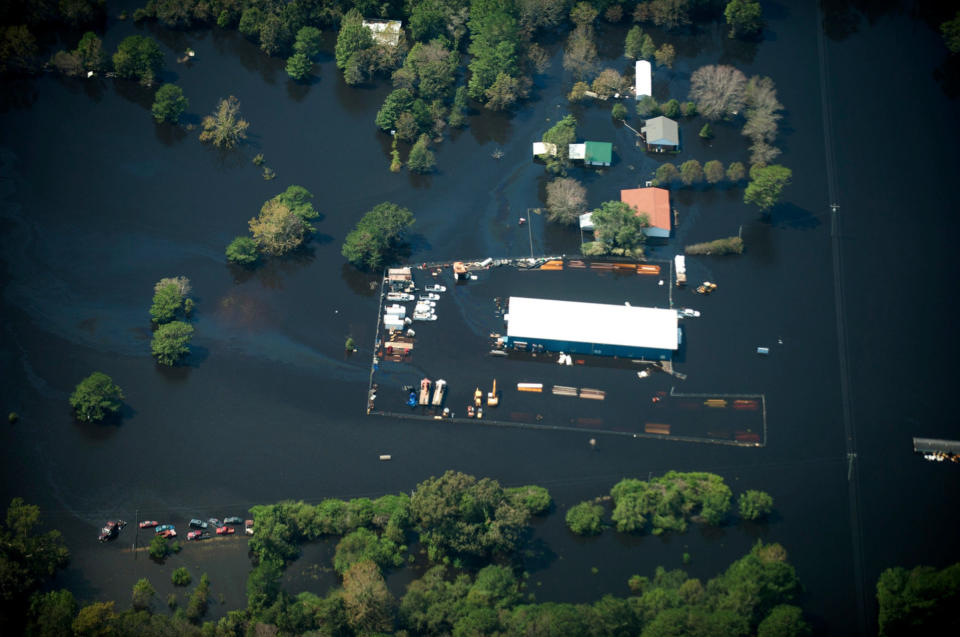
226	530
194	535
168	533
148	524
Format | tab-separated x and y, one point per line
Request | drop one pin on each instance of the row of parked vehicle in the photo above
200	528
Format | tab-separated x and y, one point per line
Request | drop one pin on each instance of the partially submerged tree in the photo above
377	236
278	230
138	57
95	397
242	251
566	200
713	171
755	505
421	159
560	136
169	104
171	342
585	518
745	18
766	185
225	128
718	91
691	172
618	229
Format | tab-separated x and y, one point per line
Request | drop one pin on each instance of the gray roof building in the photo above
661	131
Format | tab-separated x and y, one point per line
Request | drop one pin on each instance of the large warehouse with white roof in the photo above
591	328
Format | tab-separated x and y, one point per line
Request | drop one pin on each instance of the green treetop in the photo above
169	104
138	57
766	185
561	134
618	229
95	397
377	236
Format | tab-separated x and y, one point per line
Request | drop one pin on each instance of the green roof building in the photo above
592	153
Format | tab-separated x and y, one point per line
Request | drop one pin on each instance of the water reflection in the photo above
134	92
169	134
361	283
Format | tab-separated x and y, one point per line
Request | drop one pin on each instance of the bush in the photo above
421	158
536	500
706	132
666	174
713	171
364	544
736	171
585	518
755	505
377	236
143	593
225	128
243	251
671	109
171	342
566	200
95	397
647	107
181	577
159	547
730	245
619	112
169	104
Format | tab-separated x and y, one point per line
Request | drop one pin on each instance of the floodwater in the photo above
98	203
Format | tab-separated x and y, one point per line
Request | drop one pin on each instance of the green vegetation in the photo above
762	117
666	174
691	172
159	547
736	171
717	247
670	14
306	47
619	112
647	107
143	594
561	135
766	185
169	104
585	518
95	397
299	66
745	18
633	44
378	236
951	33
718	91
421	158
52	613
181	577
171	299
225	128
199	600
617	229
921	601
536	500
566	200
13	417
242	251
671	109
713	171
171	342
364	544
88	56
754	505
669	502
706	132
138	57
608	83
282	226
665	55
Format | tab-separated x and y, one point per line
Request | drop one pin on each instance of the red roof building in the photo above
653	202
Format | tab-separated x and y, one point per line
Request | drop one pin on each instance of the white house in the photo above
644	79
385	31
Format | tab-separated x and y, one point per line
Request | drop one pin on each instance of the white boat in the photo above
424	317
425	304
688	313
439	388
429	297
399	296
435	288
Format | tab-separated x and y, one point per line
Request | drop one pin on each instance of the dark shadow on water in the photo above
741	52
712	533
134	92
235	46
491	127
169	134
537	555
947	75
298	90
361	283
271	271
792	216
421	181
761	528
177	373
758	241
415	243
198	355
108	427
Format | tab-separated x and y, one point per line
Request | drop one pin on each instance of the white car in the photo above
435	288
429	297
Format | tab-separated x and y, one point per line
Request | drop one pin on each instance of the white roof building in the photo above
644	75
385	31
541	148
592	327
577	151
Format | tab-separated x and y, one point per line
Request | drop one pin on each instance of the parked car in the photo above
168	533
233	520
248	527
194	535
226	530
198	524
111	530
148	524
214	522
163	527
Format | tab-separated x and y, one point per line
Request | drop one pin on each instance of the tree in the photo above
95	397
17	48
199	600
706	131
169	104
744	17
713	171
784	621
689	109
171	342
159	547
583	14
138	57
647	107
608	83
585	518
242	251
169	299
278	229
90	52
506	91
367	601
951	33
633	45
299	66
364	544
52	613
619	112
691	172
670	108
308	42
181	577
566	200
619	228
665	55
561	135
225	128
666	173
94	620
377	236
664	13
352	38
718	90
578	91
143	594
917	602
580	52
458	112
397	102
736	171
536	500
421	159
27	557
766	185
755	505
647	47
300	202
